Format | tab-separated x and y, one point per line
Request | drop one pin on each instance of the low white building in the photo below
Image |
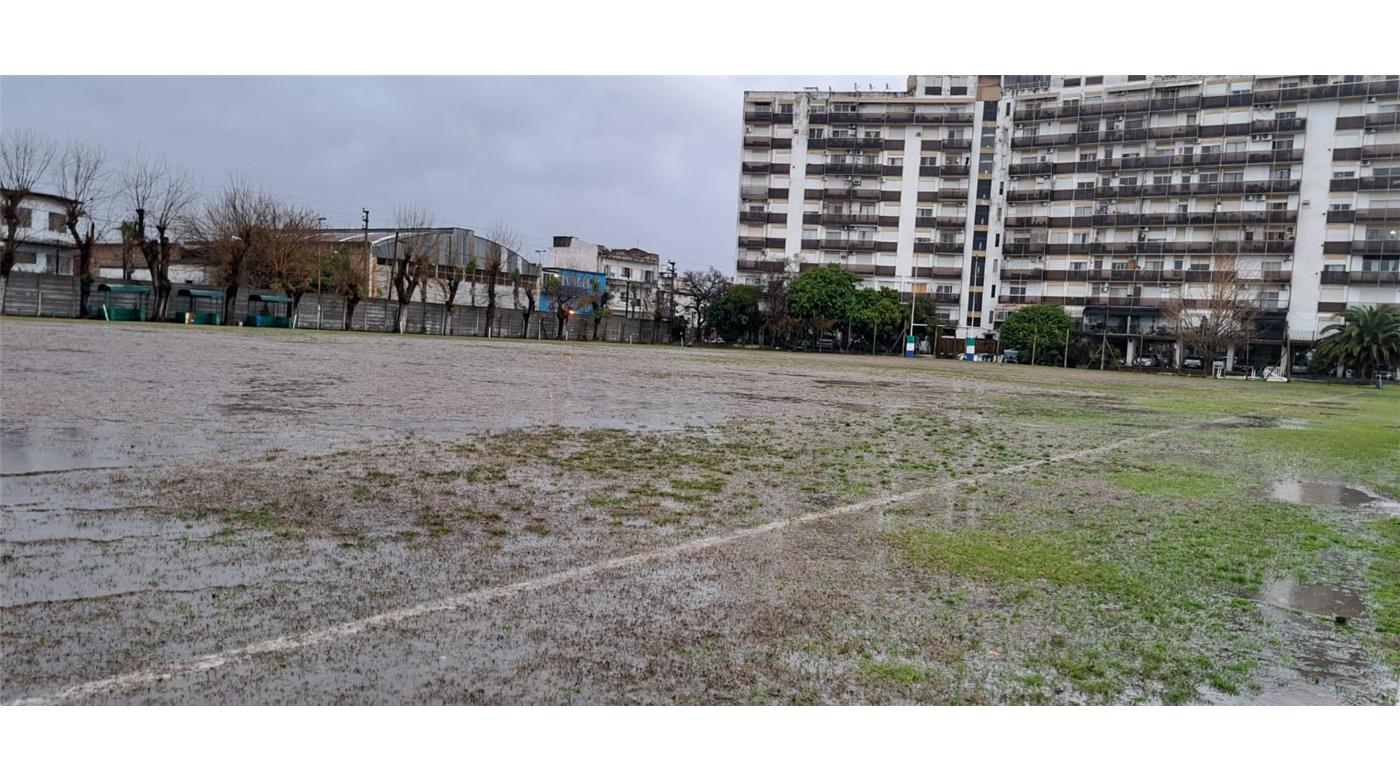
634	275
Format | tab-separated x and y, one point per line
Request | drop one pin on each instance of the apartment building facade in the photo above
633	275
1110	195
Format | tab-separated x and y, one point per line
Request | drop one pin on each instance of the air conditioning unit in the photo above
1371	99
1261	137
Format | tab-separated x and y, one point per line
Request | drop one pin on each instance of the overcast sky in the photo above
651	162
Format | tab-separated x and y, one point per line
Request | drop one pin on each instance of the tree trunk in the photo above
230	303
351	301
490	305
84	293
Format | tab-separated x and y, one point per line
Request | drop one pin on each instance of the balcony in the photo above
756	167
753	193
855	245
1373	247
958	195
855	143
1380	183
938	272
758	116
1375	277
926	118
1374	215
939	247
754	217
761	266
757	141
1335	277
860	169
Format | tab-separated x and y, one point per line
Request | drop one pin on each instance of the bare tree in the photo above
25	158
230	228
288	254
1219	314
129	243
599	299
449	280
81	184
564	296
345	273
703	288
160	195
412	243
502	239
658	312
773	286
528	289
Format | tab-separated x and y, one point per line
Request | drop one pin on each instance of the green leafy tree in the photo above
1367	339
822	296
735	315
877	313
1038	332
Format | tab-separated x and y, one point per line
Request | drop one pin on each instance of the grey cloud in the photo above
619	161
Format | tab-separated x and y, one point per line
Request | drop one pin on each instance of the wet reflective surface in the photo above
1322	494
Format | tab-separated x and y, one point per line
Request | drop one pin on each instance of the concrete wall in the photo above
52	295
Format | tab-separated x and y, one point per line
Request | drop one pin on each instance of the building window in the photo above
26	219
896	161
1074	82
933	90
1137	78
647	276
957	90
924	213
1090	81
815	132
58	222
626	272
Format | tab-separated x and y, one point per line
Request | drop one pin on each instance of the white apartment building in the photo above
633	274
1105	194
45	245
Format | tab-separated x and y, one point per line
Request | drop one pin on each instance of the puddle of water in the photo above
1323	600
1320	493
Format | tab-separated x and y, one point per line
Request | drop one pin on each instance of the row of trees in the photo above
248	237
789	309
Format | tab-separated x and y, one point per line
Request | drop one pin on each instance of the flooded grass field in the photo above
204	515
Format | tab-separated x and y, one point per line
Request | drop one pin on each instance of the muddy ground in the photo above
197	515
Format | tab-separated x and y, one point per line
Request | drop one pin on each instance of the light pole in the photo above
320	268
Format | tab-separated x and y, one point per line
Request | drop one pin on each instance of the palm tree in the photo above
1367	339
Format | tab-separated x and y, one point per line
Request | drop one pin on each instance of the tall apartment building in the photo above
1109	195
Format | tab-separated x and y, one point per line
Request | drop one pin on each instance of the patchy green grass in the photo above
1010	559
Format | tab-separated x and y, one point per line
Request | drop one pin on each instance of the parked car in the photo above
825	344
1193	363
1148	361
1010	356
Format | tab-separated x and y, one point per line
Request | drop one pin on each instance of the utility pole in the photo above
369	261
1103	346
671	312
320	268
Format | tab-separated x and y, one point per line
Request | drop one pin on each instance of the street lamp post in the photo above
320	268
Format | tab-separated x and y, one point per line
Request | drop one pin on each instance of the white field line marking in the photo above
290	642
